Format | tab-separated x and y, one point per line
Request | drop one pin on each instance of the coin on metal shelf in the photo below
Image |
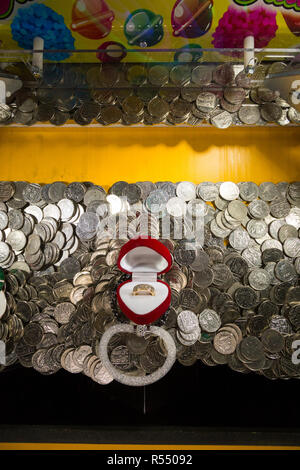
133	105
221	119
224	74
186	190
230	108
202	75
59	118
206	101
271	112
169	93
294	115
158	108
190	92
249	114
158	75
234	95
137	74
229	191
180	108
180	74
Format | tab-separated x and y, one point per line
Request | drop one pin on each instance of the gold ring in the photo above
143	289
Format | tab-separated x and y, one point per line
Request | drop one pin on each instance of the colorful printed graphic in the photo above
293	22
7	7
111	51
236	24
191	18
92	18
143	28
173	30
288	4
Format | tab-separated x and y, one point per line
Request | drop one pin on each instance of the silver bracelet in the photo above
122	377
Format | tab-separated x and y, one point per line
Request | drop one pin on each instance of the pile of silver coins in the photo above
131	94
234	280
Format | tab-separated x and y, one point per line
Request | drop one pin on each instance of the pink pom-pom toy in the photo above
236	24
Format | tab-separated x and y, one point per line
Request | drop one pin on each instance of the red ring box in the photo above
145	258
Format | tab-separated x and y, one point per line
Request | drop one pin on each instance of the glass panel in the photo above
162	87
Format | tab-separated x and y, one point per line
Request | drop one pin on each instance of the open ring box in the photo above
145	258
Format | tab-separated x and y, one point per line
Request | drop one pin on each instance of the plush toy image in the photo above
37	20
238	23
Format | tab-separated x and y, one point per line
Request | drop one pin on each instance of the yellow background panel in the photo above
106	155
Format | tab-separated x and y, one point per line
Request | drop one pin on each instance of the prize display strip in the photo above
140	94
235	297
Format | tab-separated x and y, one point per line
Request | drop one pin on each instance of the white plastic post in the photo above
249	57
2	92
38	57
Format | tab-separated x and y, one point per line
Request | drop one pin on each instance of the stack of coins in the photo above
188	328
17	306
151	94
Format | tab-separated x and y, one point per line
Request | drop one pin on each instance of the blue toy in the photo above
40	21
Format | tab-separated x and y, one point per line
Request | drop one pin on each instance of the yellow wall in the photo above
135	154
